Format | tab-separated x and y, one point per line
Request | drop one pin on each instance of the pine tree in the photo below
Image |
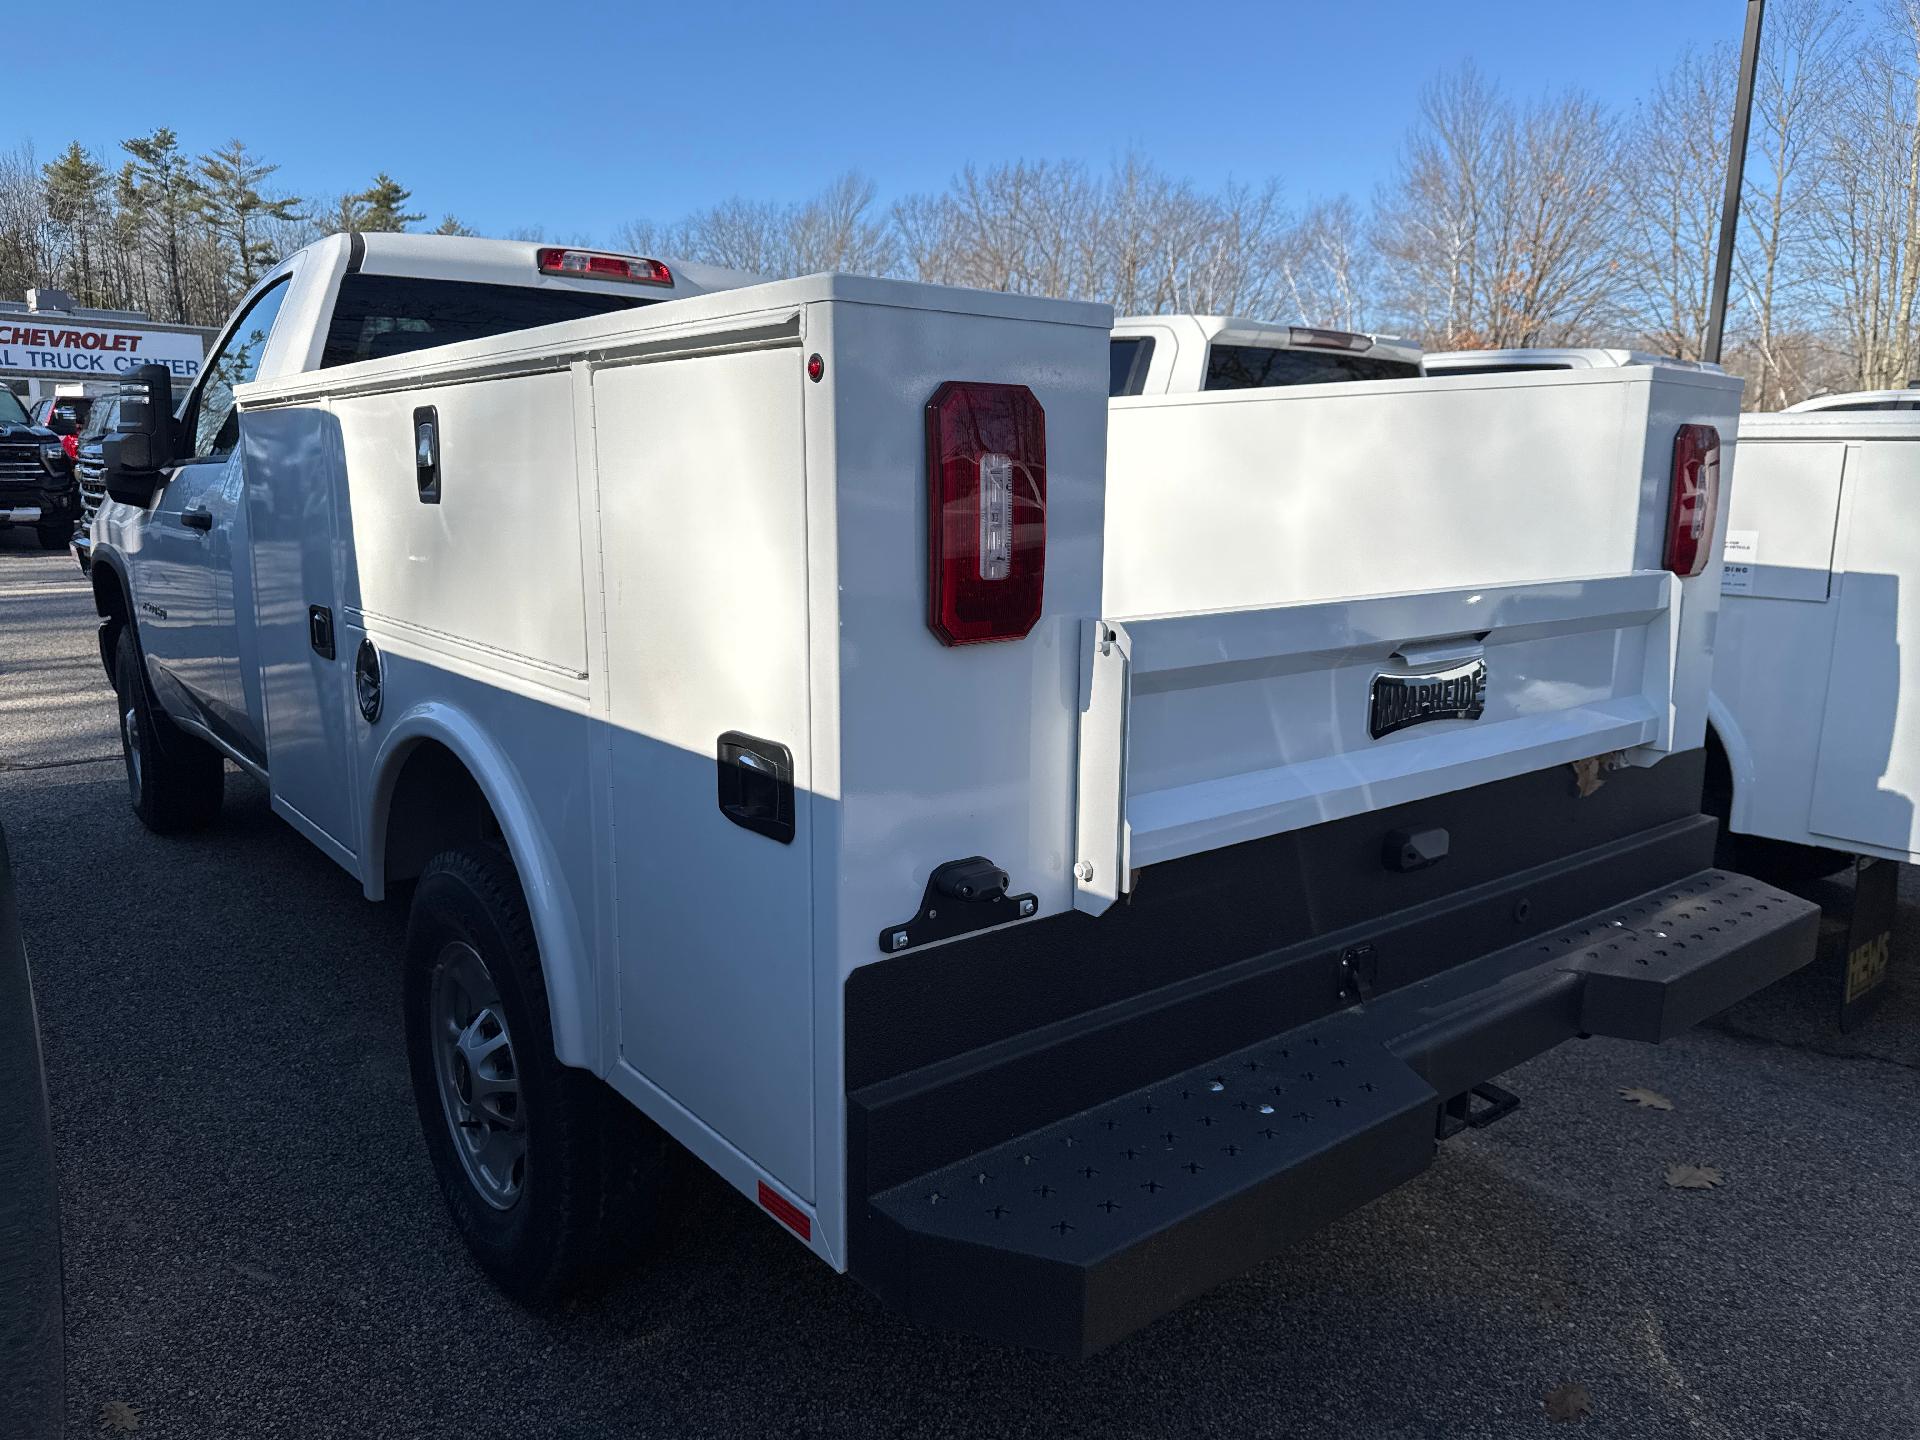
231	203
76	191
382	205
451	225
161	191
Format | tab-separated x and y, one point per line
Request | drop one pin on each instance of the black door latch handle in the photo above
197	519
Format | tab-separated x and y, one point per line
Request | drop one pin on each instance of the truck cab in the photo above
1186	354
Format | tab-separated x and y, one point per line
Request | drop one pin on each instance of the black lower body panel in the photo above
1062	1186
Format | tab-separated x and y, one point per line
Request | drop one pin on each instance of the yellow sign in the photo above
1867	965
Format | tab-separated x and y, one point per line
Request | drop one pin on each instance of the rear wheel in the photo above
552	1179
174	779
55	537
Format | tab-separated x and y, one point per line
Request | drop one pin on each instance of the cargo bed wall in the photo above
1273	497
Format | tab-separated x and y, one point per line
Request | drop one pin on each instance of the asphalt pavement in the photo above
255	1247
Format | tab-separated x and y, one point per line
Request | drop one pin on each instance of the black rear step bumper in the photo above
1072	1234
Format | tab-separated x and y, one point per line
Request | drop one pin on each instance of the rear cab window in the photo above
1254	367
1130	357
381	315
1501	367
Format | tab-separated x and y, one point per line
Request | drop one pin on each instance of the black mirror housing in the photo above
135	454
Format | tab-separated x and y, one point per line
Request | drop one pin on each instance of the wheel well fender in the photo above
564	958
1728	743
112	602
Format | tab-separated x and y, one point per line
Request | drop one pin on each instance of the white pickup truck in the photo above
1046	887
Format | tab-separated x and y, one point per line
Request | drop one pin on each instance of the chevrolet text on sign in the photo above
102	351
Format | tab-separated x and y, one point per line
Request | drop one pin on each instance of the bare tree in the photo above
1677	153
1868	227
1502	227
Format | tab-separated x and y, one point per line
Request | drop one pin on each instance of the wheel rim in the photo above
130	737
478	1078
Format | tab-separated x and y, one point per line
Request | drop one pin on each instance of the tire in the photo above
175	780
553	1180
54	538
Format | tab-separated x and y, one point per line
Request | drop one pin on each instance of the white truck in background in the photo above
1181	354
1816	719
1569	357
815	724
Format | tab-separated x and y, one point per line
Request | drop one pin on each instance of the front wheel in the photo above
175	780
551	1178
55	537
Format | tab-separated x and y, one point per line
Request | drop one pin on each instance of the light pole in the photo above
1736	173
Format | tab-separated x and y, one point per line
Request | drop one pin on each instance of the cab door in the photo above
191	644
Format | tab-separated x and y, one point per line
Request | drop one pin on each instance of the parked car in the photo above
89	470
1162	354
62	414
1049	852
37	488
32	1344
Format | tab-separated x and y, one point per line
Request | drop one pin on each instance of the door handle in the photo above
197	519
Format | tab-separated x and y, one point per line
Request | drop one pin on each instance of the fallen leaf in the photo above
119	1417
1586	776
1645	1099
1693	1177
1568	1402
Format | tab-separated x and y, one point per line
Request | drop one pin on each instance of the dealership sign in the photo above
88	352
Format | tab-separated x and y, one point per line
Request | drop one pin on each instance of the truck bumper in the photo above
1068	1235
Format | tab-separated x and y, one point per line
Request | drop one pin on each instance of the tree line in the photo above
1506	220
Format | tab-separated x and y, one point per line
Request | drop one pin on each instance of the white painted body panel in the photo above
1331	524
727	546
1813	695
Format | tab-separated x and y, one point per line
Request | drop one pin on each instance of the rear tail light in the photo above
986	512
71	444
1691	504
592	265
1328	339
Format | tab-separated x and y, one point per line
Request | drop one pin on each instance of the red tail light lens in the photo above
1691	504
986	512
591	265
71	444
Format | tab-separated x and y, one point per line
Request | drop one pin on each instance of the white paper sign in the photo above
1742	553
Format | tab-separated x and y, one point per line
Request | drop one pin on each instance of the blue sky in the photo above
579	116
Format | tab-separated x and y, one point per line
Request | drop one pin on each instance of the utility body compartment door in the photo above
1868	773
702	514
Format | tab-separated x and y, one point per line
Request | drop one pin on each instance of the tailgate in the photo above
1334	599
1198	731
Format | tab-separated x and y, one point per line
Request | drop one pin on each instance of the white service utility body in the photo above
1820	604
1041	980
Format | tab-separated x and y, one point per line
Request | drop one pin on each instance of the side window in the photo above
216	426
1129	358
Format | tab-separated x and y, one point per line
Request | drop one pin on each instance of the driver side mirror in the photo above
143	446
